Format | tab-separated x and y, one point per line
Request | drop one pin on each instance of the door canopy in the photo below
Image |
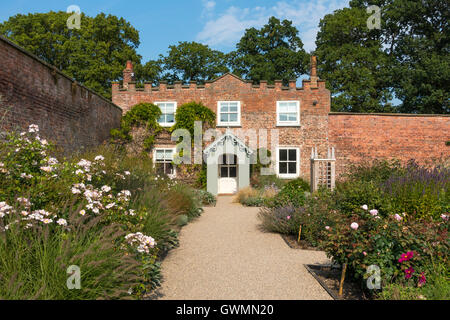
226	141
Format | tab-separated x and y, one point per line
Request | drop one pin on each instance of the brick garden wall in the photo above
360	137
67	113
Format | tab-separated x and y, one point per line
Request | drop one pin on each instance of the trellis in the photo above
322	170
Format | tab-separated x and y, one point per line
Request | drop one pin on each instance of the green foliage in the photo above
273	52
407	57
263	181
437	286
261	162
256	197
112	39
77	211
184	200
292	193
207	198
383	241
353	63
34	262
192	61
188	113
202	177
141	115
422	192
182	220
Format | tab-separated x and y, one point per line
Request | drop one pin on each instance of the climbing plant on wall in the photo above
143	115
190	112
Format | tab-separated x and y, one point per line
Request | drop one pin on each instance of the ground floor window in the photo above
163	159
288	162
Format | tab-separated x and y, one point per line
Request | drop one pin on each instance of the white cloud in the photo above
226	28
208	8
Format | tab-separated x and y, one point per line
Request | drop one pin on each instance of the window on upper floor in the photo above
288	113
229	113
167	118
163	161
288	162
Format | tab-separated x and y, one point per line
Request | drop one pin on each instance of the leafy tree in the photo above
149	72
192	61
417	35
412	60
353	63
94	55
273	52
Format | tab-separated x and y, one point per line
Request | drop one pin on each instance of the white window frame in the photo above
288	175
288	123
174	150
229	124
167	124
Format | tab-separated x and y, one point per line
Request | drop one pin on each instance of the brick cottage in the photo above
291	121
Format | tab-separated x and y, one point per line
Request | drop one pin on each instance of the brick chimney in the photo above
128	74
313	76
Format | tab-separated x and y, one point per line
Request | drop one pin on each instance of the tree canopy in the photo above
407	58
274	52
192	61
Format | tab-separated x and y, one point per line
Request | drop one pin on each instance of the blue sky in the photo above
218	23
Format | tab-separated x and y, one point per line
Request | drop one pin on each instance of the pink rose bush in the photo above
399	247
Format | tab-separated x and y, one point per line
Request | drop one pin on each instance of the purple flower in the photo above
288	217
354	226
374	212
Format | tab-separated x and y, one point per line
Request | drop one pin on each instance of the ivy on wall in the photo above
141	115
146	115
190	112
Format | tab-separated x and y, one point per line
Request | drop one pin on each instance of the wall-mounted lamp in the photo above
315	102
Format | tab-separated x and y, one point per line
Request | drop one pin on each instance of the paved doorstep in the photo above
224	255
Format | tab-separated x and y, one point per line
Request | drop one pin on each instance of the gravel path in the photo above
224	255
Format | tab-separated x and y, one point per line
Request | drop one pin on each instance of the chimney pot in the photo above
313	77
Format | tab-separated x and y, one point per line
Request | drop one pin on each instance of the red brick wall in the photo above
359	137
258	107
33	92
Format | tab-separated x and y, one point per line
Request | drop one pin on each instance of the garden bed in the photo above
291	241
329	277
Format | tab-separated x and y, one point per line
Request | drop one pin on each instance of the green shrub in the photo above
183	199
292	193
182	220
207	198
262	181
350	194
284	220
423	193
253	202
437	286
